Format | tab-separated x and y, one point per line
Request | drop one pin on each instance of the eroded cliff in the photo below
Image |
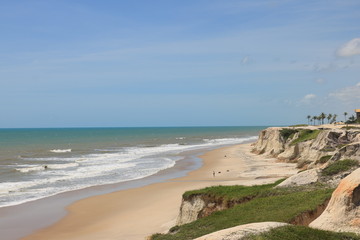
309	146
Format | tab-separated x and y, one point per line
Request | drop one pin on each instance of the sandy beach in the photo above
139	212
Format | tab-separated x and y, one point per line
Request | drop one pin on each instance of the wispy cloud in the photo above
325	67
350	48
308	98
348	95
320	80
245	60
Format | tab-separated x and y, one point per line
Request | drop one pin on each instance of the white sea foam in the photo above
60	150
229	140
104	166
30	169
61	166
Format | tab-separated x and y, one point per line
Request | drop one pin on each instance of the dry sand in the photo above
139	212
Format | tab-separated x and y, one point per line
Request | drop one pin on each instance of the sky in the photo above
118	63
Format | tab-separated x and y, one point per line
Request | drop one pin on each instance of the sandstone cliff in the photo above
343	211
309	146
312	148
202	205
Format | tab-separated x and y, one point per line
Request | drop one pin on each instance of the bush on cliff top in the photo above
301	232
281	205
339	166
306	135
232	193
287	133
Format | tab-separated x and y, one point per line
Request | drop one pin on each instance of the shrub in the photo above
328	149
324	159
306	135
287	133
339	166
302	232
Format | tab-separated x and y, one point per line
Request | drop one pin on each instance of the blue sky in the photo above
72	63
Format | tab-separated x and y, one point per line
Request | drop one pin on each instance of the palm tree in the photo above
322	117
329	116
308	117
314	119
345	114
334	118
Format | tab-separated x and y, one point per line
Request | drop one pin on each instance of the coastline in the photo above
139	212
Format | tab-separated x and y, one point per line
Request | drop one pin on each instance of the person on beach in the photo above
213	173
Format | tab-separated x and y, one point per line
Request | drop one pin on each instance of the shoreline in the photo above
49	210
142	211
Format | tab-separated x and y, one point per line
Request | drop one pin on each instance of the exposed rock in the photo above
190	210
302	178
350	151
270	142
239	232
202	205
343	211
305	218
339	143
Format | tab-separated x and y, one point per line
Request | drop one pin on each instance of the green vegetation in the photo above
321	117
305	135
339	166
328	149
350	127
301	232
324	159
299	125
232	193
279	204
287	133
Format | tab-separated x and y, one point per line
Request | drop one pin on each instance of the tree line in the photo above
331	118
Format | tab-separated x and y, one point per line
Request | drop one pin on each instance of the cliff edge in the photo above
310	146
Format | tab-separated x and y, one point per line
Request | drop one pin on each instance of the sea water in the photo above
37	163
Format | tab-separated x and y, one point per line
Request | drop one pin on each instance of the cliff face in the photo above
190	210
343	211
199	206
308	145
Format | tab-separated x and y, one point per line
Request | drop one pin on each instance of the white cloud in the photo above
348	95
308	98
320	80
245	60
350	48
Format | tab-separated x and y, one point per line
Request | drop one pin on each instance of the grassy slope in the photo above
306	135
339	166
236	192
300	233
280	205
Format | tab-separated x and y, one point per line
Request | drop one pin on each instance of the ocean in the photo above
38	163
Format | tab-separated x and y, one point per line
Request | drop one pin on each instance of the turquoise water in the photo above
36	163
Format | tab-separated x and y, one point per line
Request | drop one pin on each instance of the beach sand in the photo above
139	212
